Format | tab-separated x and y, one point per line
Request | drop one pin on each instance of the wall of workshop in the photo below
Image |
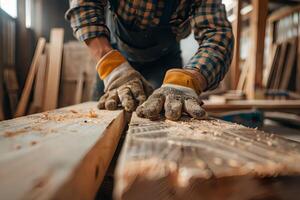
49	14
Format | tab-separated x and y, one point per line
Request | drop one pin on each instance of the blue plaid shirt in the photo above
208	19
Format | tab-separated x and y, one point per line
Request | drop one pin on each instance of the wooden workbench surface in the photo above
61	154
208	159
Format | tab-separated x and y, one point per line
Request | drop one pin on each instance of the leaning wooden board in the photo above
62	154
208	159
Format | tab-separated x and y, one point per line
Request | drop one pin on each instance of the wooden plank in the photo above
281	64
290	63
54	69
39	88
273	105
283	12
298	63
79	89
258	31
271	72
243	77
205	159
23	103
235	68
61	154
12	87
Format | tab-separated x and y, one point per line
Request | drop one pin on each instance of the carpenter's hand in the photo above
174	99
123	84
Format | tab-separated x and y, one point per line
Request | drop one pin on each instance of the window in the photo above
28	13
9	6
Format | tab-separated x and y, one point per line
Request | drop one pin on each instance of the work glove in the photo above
122	84
179	94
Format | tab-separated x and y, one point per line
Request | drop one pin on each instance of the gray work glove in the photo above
123	85
174	99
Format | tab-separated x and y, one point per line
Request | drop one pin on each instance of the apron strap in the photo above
169	8
113	5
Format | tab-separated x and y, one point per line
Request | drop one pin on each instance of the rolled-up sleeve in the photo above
87	18
213	32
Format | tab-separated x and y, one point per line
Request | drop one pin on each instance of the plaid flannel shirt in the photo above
208	18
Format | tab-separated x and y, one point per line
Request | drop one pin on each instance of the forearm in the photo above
98	46
214	35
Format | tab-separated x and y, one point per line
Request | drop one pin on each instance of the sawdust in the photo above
9	134
71	114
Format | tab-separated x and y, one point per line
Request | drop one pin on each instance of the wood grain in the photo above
54	69
23	103
62	154
208	159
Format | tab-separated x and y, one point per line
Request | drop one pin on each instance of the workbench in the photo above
65	153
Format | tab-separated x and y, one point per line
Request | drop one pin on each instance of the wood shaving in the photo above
71	114
14	133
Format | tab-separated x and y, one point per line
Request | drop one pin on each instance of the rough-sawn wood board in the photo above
208	159
62	154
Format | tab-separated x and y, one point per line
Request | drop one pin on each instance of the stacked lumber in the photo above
283	69
280	72
209	159
60	75
60	154
78	75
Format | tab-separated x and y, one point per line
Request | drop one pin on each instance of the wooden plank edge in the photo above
86	179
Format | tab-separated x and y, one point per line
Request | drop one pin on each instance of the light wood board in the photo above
23	103
54	69
39	88
272	105
62	154
207	159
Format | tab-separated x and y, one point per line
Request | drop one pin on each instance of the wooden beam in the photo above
237	25
23	103
62	154
258	31
283	12
54	69
292	106
204	159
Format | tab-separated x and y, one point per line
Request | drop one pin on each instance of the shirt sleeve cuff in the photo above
88	32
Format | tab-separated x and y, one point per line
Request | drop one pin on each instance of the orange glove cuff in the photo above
109	62
185	78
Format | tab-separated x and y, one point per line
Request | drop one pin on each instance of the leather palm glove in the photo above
178	94
123	85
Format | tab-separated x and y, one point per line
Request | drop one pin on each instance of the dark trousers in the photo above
152	71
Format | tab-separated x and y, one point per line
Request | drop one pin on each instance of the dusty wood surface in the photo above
208	159
62	154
